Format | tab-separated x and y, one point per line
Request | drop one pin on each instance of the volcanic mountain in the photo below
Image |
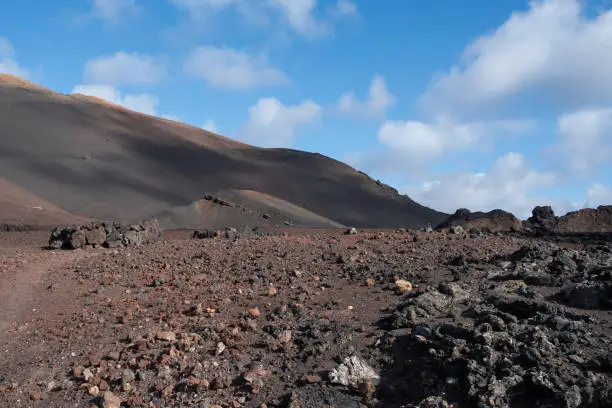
88	158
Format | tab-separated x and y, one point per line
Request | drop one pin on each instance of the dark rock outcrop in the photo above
586	220
492	221
109	235
542	219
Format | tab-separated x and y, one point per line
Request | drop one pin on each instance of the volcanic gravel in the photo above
320	319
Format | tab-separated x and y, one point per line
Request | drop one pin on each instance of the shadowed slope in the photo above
95	159
21	208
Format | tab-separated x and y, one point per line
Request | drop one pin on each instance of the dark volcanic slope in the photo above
98	160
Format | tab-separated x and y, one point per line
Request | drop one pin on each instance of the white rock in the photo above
87	374
352	372
220	348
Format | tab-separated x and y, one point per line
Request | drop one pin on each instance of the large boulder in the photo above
109	235
542	219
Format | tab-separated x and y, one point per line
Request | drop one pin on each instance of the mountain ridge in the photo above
100	161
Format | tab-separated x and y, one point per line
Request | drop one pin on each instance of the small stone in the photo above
127	376
51	386
272	292
167	336
576	359
403	285
87	374
255	312
114	355
103	385
285	336
351	231
35	396
370	282
313	379
95	359
366	388
221	382
167	391
94	391
78	371
220	348
110	400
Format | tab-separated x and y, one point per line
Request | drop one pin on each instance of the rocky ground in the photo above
308	319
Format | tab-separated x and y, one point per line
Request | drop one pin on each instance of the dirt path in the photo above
29	282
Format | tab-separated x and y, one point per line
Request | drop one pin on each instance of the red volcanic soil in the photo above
270	321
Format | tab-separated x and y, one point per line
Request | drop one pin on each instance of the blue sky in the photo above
479	104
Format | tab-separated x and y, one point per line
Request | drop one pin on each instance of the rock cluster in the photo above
109	235
228	233
509	347
217	200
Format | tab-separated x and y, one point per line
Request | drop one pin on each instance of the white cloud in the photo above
598	194
144	103
272	124
346	8
124	68
232	69
175	118
8	63
378	101
198	4
586	137
507	184
112	10
210	126
300	15
6	48
422	142
553	50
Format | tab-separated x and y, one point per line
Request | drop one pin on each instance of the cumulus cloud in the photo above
8	63
272	124
232	69
112	10
427	141
599	194
508	184
586	137
554	50
124	68
300	15
210	126
378	101
144	103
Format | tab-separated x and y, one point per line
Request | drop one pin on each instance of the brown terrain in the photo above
96	160
306	284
